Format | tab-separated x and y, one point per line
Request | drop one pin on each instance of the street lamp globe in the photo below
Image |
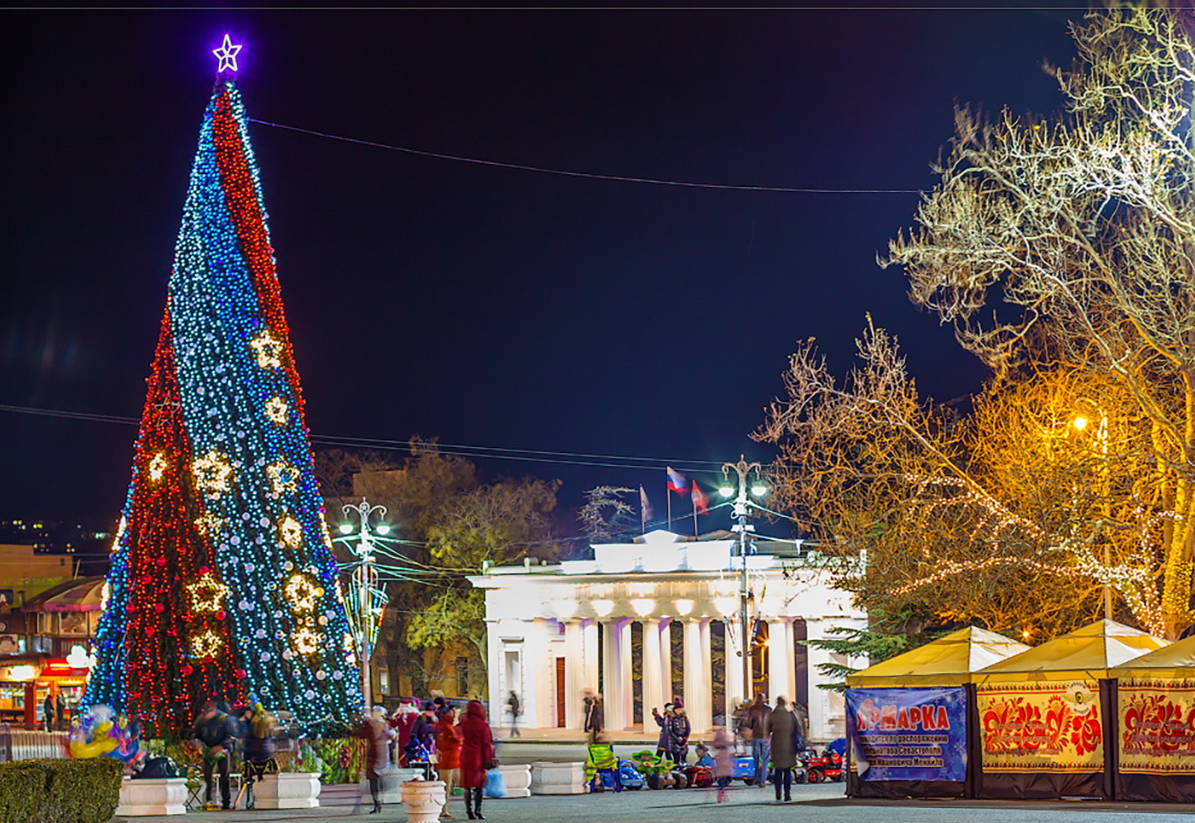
726	490
383	528
1080	422
759	490
346	528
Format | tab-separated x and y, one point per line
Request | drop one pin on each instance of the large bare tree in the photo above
1061	252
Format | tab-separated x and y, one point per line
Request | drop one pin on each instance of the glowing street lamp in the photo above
367	598
742	507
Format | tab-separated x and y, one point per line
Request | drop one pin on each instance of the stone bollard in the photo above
153	796
557	778
423	799
516	779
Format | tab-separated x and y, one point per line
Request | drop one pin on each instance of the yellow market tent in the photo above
947	661
1088	653
1173	662
1154	741
1046	714
920	700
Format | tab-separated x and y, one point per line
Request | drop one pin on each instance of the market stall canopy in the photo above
1088	652
947	661
81	595
1173	662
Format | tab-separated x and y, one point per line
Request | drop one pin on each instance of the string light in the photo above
207	644
291	532
284	478
269	350
277	410
302	592
157	466
207	593
213	474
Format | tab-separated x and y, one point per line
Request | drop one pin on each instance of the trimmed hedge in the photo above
59	791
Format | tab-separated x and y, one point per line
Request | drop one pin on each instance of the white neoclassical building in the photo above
653	620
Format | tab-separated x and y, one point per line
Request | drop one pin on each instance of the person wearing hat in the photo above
679	729
423	732
663	743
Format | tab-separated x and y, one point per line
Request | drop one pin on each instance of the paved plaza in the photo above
822	803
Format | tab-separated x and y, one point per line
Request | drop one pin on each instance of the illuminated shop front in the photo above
657	619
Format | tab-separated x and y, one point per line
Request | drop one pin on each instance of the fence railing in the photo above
24	744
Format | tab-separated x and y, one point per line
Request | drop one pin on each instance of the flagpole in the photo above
668	494
642	510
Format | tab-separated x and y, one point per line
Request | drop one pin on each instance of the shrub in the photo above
59	791
22	789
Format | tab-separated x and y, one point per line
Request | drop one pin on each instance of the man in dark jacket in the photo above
214	731
760	717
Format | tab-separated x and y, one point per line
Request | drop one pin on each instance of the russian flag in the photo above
676	481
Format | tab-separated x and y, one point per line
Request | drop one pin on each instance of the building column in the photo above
539	670
653	684
495	674
733	677
781	675
697	685
616	688
589	643
707	674
665	661
574	673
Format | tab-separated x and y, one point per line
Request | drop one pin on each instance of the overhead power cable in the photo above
452	449
614	178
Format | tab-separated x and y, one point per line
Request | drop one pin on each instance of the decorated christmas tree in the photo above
223	582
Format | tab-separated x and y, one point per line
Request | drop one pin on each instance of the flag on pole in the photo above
701	500
676	481
644	505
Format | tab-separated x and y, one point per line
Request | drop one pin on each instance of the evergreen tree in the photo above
223	582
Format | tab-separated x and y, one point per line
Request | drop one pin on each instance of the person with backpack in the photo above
214	731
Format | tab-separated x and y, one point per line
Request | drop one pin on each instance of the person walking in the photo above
214	730
477	756
593	717
758	717
259	748
48	708
377	734
515	709
663	742
722	748
448	753
782	728
679	729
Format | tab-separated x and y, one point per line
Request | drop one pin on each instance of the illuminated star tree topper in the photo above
227	55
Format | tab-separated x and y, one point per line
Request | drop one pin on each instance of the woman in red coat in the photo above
448	753
477	752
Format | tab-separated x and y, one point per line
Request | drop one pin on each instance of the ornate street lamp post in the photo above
742	508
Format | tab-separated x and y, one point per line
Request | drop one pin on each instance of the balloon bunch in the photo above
100	733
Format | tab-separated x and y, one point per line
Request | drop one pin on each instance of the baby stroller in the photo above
602	768
418	757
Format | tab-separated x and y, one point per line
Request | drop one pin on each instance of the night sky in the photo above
488	306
